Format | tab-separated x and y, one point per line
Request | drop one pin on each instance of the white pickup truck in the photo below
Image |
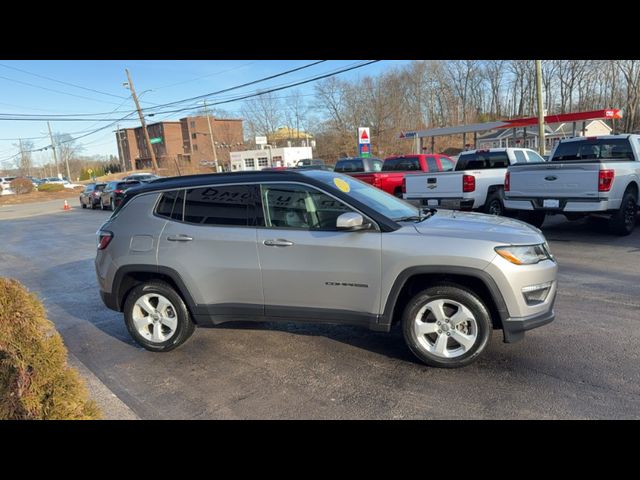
476	183
592	175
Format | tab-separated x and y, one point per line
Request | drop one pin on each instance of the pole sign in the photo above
364	141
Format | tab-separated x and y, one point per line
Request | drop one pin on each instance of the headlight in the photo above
525	254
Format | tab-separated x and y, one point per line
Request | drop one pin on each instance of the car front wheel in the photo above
446	325
157	317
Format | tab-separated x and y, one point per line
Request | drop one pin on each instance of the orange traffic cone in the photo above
66	206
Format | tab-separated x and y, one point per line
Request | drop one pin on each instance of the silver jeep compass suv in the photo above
316	246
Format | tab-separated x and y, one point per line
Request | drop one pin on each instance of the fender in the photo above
142	268
401	280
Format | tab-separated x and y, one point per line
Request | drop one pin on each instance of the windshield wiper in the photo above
418	218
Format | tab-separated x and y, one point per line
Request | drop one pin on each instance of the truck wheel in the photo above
156	317
624	220
533	218
83	205
493	205
398	192
446	326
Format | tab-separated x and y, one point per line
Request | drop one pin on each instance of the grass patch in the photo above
50	187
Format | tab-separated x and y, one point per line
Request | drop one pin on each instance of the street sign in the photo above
363	135
261	140
155	140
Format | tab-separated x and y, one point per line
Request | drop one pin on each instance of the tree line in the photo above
440	93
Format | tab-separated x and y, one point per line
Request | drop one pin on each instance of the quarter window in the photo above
219	205
301	207
171	205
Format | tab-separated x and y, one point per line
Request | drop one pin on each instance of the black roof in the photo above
188	181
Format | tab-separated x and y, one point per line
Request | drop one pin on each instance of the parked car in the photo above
5	185
307	162
317	246
592	175
141	177
394	169
355	165
476	183
90	197
113	193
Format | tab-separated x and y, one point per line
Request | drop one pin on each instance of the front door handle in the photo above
179	238
279	242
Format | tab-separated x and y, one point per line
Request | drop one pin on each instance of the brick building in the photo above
187	141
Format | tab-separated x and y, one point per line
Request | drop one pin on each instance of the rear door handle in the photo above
179	238
280	242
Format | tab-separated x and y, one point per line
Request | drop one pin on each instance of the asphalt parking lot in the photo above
583	365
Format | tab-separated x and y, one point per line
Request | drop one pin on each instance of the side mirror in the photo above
351	222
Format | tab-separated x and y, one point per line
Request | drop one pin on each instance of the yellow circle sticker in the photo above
342	185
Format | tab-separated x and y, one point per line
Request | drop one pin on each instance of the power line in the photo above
60	81
54	90
270	77
204	76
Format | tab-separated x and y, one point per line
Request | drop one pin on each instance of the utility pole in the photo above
213	145
541	142
120	149
144	125
53	147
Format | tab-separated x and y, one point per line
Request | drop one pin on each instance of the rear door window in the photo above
520	156
221	205
401	164
432	164
482	161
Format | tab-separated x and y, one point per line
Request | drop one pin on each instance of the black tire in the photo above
533	218
185	326
464	297
93	205
83	204
624	220
494	205
397	193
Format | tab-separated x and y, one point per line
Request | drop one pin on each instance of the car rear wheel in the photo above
446	326
494	204
157	317
624	220
84	205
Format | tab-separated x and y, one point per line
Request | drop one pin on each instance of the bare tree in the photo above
263	114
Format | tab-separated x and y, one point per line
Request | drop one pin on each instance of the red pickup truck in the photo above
395	168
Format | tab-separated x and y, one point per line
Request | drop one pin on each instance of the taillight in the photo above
404	185
605	180
118	191
468	183
104	238
507	182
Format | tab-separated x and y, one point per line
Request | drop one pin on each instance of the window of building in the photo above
249	163
195	147
263	162
300	206
220	205
277	158
193	135
193	124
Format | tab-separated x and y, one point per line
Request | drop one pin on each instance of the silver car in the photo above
317	246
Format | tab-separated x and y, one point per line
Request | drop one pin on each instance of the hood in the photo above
449	223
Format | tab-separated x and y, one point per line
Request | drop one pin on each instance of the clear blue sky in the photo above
167	80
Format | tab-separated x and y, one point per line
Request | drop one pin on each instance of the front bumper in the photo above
514	328
564	204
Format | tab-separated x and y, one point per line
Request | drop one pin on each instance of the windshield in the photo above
593	149
388	205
